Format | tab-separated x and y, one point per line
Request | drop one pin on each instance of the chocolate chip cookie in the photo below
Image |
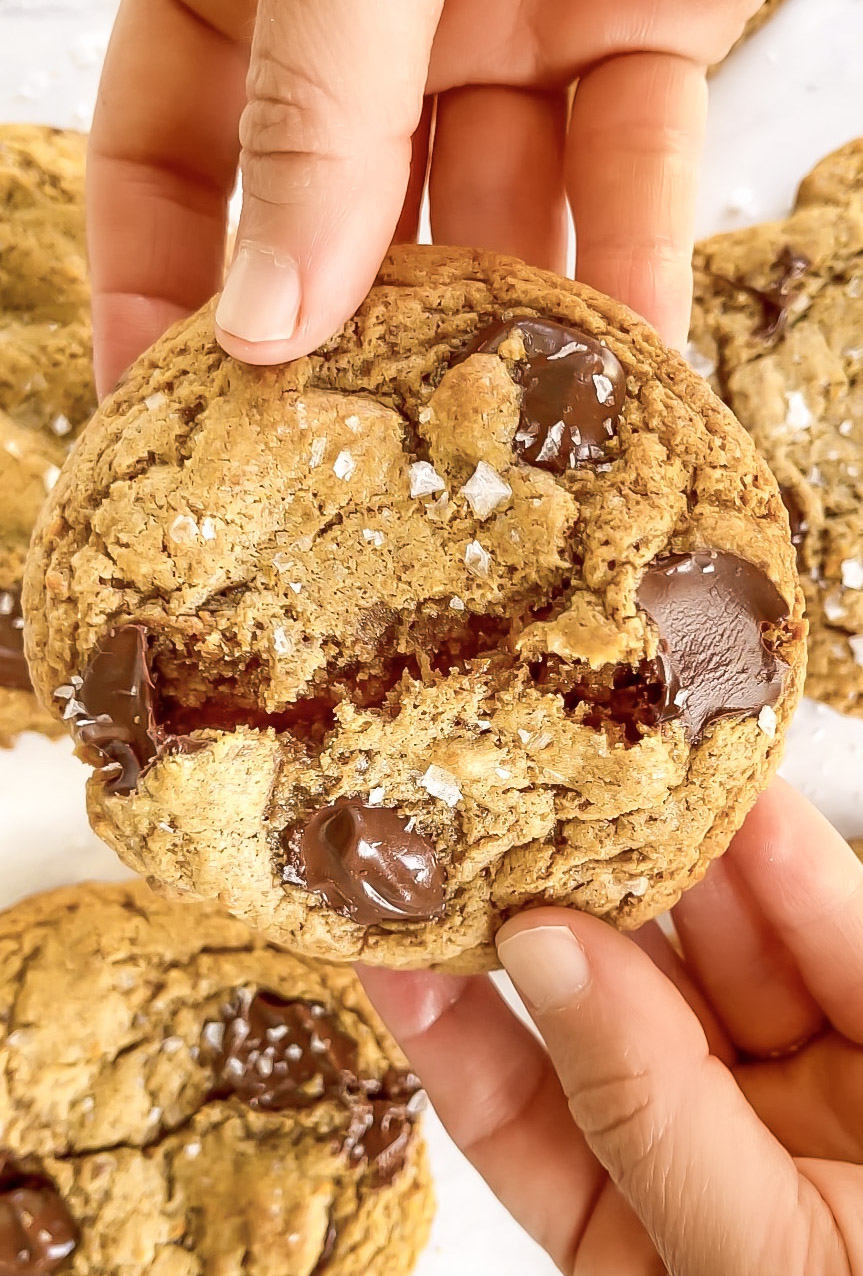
29	466
180	1098
777	327
46	379
486	602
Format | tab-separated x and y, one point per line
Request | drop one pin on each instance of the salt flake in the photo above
155	401
373	537
767	722
856	645
456	603
61	425
424	479
852	573
50	477
344	465
441	784
798	415
476	559
485	490
834	608
208	529
319	446
376	796
183	530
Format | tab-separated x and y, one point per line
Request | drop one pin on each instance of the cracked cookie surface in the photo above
150	1104
29	466
777	324
405	621
46	379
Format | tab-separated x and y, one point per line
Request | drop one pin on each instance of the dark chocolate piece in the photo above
711	611
573	393
778	299
37	1232
14	673
276	1053
112	709
796	516
366	862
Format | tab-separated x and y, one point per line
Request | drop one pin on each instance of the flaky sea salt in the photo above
213	1034
767	722
485	490
856	645
50	477
172	1045
456	603
424	479
845	427
502	773
637	886
344	465
296	586
698	362
208	529
353	423
477	560
319	447
376	796
852	573
603	387
61	426
282	644
834	608
373	537
525	736
441	784
183	530
155	401
798	416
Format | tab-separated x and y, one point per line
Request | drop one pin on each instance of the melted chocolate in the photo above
573	393
776	299
14	673
711	611
275	1053
278	1053
37	1232
796	516
366	863
113	710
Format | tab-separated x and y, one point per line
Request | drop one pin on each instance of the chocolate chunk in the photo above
366	862
573	393
37	1232
113	709
778	299
711	611
275	1053
392	1110
796	515
14	673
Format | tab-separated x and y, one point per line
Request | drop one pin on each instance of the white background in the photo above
782	102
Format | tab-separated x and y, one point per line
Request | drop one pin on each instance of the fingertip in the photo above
410	1002
124	326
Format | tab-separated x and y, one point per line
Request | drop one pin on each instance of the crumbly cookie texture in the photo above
29	467
179	1098
46	379
486	602
777	326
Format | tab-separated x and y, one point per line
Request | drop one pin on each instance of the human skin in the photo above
697	1112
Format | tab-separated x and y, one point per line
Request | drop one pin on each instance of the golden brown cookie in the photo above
46	379
778	327
29	466
180	1098
488	601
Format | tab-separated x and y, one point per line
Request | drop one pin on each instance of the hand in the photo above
702	1113
336	89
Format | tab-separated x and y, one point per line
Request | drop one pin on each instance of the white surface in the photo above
782	102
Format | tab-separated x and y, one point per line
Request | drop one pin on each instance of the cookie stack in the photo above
178	1097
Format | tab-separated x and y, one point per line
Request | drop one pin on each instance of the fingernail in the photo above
261	297
547	965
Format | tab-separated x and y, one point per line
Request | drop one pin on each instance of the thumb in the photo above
715	1190
335	92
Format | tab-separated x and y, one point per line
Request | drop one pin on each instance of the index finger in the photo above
161	168
633	154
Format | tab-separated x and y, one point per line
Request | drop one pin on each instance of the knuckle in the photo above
618	1118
